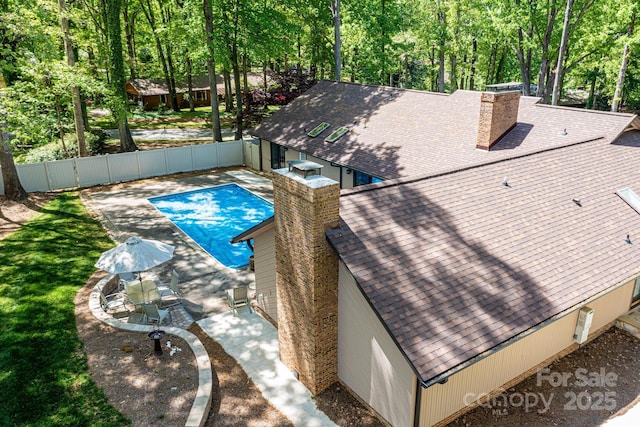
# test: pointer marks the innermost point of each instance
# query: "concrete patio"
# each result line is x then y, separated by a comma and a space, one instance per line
124, 211
248, 337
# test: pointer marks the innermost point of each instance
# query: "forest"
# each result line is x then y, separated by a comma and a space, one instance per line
59, 58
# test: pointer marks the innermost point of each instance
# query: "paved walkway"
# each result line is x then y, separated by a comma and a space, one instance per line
253, 342
170, 134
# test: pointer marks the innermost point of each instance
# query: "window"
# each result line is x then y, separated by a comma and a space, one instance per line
318, 129
630, 197
336, 134
278, 153
200, 95
163, 99
360, 178
302, 156
635, 299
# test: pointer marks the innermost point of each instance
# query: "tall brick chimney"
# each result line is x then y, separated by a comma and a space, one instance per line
305, 207
498, 115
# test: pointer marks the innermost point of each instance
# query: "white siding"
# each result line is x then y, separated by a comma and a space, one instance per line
441, 400
368, 360
265, 269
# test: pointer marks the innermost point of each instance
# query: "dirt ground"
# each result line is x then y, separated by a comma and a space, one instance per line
585, 388
159, 390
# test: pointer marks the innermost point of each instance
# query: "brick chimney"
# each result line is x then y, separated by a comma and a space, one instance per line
498, 115
305, 207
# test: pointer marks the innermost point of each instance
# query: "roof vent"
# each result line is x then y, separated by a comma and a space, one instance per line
304, 167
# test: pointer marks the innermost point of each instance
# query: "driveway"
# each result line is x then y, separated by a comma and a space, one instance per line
169, 134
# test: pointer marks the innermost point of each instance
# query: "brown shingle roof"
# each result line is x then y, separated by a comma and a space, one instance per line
400, 133
148, 87
455, 265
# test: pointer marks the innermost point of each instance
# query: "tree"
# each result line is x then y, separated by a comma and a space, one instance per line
13, 189
211, 67
118, 80
563, 45
335, 12
75, 91
617, 96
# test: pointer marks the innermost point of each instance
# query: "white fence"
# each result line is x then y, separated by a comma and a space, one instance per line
107, 169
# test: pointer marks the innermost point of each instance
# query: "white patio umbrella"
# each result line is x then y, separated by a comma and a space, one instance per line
134, 255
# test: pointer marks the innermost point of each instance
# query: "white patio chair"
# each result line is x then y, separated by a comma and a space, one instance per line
238, 297
112, 301
172, 289
153, 314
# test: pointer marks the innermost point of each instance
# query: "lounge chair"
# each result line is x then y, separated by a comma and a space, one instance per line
153, 314
237, 297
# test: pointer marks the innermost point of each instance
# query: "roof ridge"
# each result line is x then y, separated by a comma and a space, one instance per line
390, 88
599, 112
412, 179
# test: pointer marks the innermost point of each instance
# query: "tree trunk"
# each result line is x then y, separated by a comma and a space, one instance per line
335, 11
228, 91
617, 96
472, 77
238, 89
245, 77
129, 32
75, 91
190, 82
453, 78
591, 100
13, 189
546, 42
211, 68
147, 9
116, 63
555, 98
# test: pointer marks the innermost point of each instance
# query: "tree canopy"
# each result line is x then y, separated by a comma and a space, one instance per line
436, 45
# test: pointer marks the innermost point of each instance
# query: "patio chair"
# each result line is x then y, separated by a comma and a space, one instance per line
142, 292
112, 301
172, 289
237, 297
153, 314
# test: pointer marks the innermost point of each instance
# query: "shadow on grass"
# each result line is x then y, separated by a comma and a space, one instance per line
44, 378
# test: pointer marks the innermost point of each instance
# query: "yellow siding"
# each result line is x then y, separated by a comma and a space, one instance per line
441, 400
265, 269
368, 360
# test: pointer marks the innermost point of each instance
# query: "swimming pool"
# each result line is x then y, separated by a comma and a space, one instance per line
212, 216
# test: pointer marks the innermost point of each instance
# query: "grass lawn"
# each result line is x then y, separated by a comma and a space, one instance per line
44, 377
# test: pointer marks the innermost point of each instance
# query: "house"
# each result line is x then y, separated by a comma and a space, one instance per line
501, 234
151, 93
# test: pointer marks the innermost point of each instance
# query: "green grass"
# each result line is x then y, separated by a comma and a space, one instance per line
44, 378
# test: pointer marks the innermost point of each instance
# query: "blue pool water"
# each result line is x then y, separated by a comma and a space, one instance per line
213, 216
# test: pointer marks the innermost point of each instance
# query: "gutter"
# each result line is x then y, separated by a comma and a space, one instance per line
443, 378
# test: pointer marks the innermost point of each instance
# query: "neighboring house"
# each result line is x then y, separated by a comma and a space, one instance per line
499, 223
151, 93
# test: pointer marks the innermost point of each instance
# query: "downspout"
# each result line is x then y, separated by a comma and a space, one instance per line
248, 242
416, 405
260, 154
